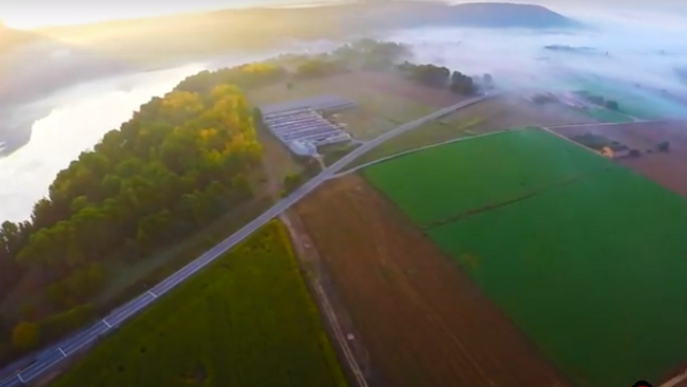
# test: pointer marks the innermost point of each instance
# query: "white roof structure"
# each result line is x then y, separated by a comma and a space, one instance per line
300, 127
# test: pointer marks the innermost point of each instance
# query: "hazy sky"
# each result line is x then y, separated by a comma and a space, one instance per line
34, 13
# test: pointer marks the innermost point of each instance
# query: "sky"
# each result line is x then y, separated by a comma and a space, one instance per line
26, 14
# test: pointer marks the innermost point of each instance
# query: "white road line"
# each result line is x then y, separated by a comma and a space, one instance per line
152, 294
20, 378
62, 351
106, 323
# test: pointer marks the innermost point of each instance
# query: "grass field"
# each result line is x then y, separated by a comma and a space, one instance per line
590, 268
379, 109
245, 321
485, 117
472, 174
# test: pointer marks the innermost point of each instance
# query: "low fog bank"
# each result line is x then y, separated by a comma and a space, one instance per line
618, 55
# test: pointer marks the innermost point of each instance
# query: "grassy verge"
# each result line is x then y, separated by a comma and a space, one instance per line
333, 154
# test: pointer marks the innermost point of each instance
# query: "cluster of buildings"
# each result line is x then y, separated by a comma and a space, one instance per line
301, 125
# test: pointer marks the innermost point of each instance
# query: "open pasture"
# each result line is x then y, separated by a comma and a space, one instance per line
454, 178
384, 100
584, 256
245, 321
500, 113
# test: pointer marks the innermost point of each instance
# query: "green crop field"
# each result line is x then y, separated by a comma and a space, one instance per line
472, 174
245, 321
591, 269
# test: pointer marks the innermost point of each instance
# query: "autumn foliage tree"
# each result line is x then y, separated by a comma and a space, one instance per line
25, 335
181, 160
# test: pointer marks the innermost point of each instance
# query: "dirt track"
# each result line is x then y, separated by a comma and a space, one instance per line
668, 169
423, 321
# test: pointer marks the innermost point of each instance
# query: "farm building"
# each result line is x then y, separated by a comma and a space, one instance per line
300, 126
614, 151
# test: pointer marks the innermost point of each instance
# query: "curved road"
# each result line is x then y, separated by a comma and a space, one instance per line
53, 355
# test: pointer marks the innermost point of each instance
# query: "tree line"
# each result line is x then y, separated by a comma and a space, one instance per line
181, 161
442, 77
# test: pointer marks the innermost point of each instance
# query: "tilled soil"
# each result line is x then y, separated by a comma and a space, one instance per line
424, 322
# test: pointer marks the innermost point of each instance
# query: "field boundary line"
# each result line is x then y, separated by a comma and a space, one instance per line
507, 202
329, 312
570, 140
606, 124
418, 149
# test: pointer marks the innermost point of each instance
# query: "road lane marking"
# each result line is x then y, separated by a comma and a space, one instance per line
152, 294
20, 378
106, 323
62, 350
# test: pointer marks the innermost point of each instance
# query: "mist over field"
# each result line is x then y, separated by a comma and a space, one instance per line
643, 53
617, 49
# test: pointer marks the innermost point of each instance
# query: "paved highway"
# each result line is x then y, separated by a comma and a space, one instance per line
51, 356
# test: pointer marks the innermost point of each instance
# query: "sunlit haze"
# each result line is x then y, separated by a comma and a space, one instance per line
29, 14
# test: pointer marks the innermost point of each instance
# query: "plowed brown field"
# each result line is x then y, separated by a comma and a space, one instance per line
424, 322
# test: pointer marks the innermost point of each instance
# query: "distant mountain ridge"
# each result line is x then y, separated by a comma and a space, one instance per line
506, 15
244, 28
